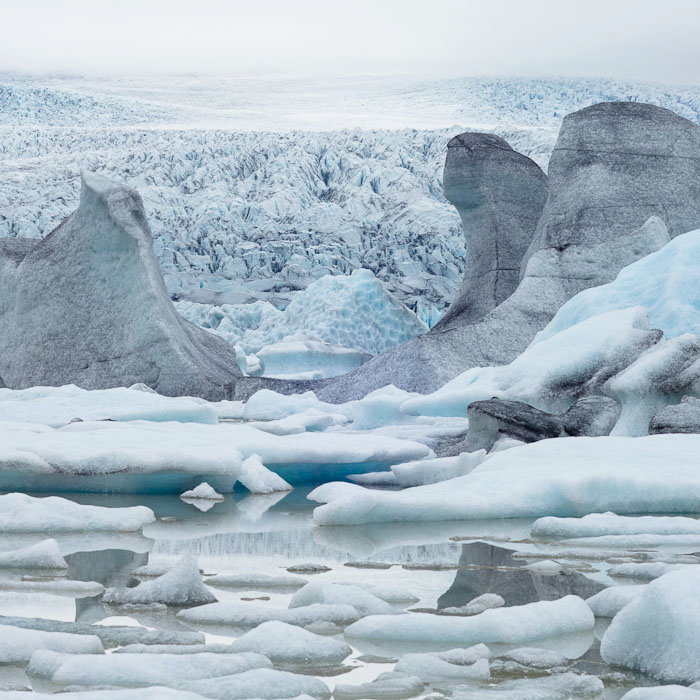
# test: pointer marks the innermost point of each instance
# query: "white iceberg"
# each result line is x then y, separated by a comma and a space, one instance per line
561, 686
290, 645
392, 684
22, 513
659, 632
452, 665
181, 585
663, 282
56, 406
204, 491
245, 615
340, 594
431, 471
562, 476
256, 581
512, 625
154, 693
609, 601
17, 644
601, 524
663, 692
133, 670
42, 555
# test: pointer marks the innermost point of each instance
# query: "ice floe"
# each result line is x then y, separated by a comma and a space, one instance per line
658, 632
290, 645
56, 406
22, 513
42, 555
451, 665
361, 600
181, 586
562, 476
17, 644
511, 625
611, 600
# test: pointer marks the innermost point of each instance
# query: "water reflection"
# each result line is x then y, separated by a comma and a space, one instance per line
485, 568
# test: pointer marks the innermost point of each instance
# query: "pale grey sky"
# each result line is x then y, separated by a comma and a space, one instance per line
655, 40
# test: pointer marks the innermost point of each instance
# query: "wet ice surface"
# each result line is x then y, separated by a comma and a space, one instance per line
246, 545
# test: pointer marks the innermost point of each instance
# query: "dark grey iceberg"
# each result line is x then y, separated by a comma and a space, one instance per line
499, 194
87, 305
617, 169
683, 417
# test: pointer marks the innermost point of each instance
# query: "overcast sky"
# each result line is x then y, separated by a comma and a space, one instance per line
656, 40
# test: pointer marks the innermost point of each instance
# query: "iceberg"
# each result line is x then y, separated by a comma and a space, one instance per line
22, 513
364, 602
59, 406
17, 644
657, 633
180, 586
102, 334
566, 477
609, 601
244, 615
509, 625
452, 665
289, 645
42, 555
133, 671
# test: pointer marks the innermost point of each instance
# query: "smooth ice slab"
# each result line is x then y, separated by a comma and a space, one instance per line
601, 524
290, 645
611, 600
182, 585
451, 665
512, 625
150, 457
17, 644
154, 693
245, 615
42, 555
57, 406
659, 632
22, 513
134, 670
563, 476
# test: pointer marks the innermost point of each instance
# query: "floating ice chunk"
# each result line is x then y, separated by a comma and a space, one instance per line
110, 635
290, 645
296, 355
310, 419
663, 692
394, 684
659, 632
546, 567
657, 473
393, 594
203, 491
261, 684
154, 693
132, 670
256, 581
662, 282
17, 644
645, 571
175, 649
599, 524
22, 513
430, 471
550, 373
245, 615
486, 601
512, 625
257, 478
340, 594
531, 657
354, 311
56, 406
58, 586
609, 601
562, 686
228, 410
42, 555
180, 586
453, 665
